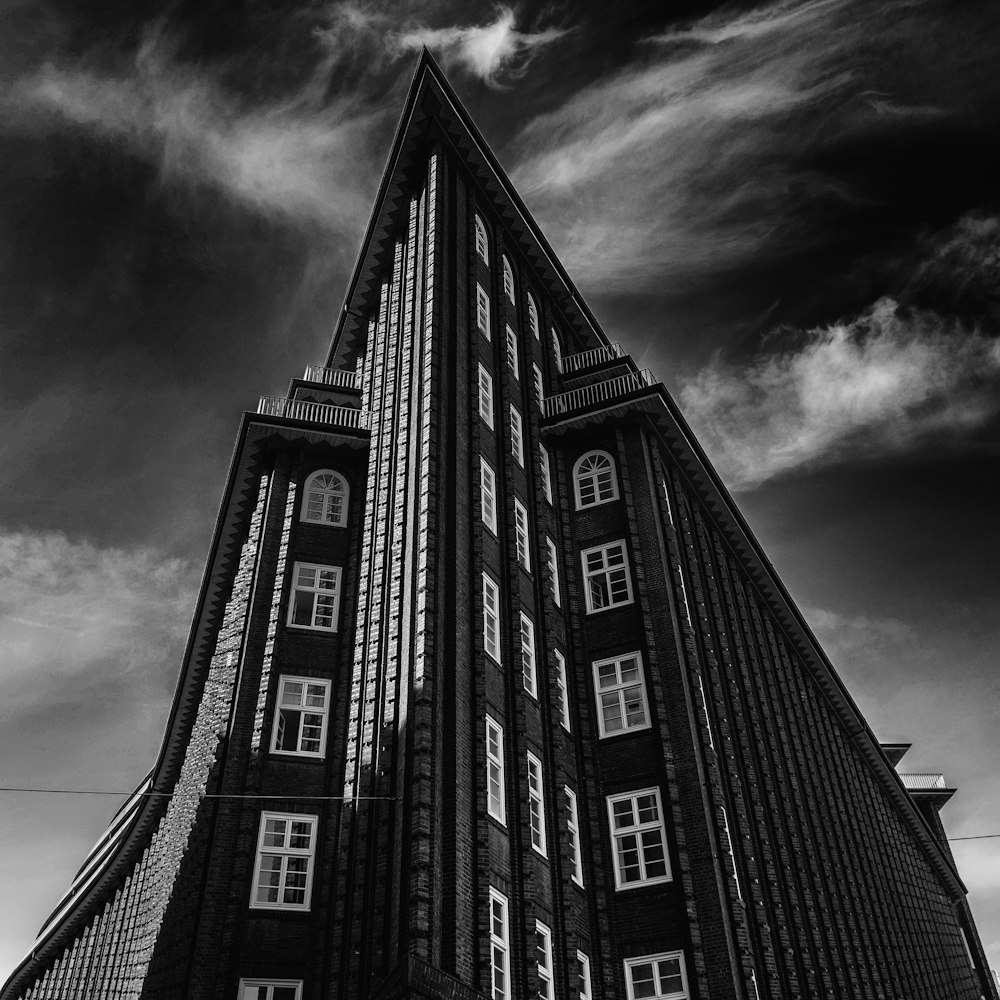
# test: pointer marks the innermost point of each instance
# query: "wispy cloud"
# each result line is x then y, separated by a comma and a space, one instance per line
881, 383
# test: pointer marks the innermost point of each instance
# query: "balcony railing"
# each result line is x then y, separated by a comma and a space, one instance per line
316, 413
923, 782
587, 359
332, 376
599, 392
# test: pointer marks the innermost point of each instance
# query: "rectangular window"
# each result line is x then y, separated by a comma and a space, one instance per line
300, 717
496, 796
573, 834
512, 358
563, 689
543, 453
499, 947
486, 397
552, 563
521, 535
536, 807
543, 958
483, 311
270, 989
282, 878
528, 671
491, 618
583, 975
621, 694
516, 436
488, 495
607, 583
315, 597
536, 373
659, 977
639, 839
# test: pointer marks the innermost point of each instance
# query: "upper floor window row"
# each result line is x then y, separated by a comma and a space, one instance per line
324, 498
595, 480
482, 243
508, 279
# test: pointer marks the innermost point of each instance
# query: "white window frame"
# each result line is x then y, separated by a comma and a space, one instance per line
557, 350
496, 802
483, 312
322, 713
641, 835
499, 946
593, 480
536, 805
491, 618
552, 561
516, 435
586, 988
529, 671
286, 853
508, 279
562, 686
522, 535
533, 317
654, 960
317, 592
269, 985
608, 572
482, 241
620, 693
486, 397
513, 359
544, 963
327, 495
488, 495
546, 465
536, 376
573, 835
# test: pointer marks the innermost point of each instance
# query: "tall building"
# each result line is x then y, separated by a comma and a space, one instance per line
491, 692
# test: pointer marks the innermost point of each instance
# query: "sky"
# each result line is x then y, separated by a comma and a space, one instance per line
789, 211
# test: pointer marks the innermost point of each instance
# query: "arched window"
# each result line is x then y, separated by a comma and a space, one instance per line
482, 245
324, 499
508, 279
594, 479
557, 349
533, 317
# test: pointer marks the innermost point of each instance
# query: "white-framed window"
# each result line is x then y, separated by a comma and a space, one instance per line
546, 466
270, 989
573, 834
491, 617
488, 495
660, 977
516, 435
521, 536
607, 581
282, 875
499, 947
324, 498
486, 397
300, 716
638, 839
528, 670
483, 312
557, 350
482, 243
315, 599
536, 376
512, 358
621, 694
594, 479
563, 690
508, 279
552, 562
536, 804
543, 960
585, 990
496, 793
533, 317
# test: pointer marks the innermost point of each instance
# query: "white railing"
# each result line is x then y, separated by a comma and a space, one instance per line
599, 392
332, 376
923, 781
316, 413
587, 359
